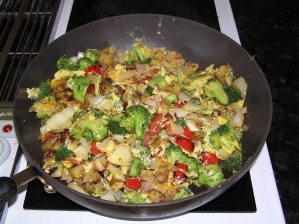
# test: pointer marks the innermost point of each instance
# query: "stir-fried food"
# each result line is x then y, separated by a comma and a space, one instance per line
139, 126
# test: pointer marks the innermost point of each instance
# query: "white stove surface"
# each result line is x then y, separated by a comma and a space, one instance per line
268, 205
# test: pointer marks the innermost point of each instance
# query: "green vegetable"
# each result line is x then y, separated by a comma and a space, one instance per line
135, 55
183, 193
195, 100
84, 63
63, 152
128, 124
209, 175
131, 197
175, 154
234, 94
158, 80
43, 116
224, 137
148, 92
215, 89
233, 162
92, 55
79, 86
65, 63
44, 90
92, 130
170, 99
199, 79
144, 154
181, 121
135, 167
141, 117
115, 128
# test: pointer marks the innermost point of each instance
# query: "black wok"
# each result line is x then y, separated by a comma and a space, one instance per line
197, 43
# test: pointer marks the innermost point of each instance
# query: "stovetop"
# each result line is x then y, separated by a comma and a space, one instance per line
261, 172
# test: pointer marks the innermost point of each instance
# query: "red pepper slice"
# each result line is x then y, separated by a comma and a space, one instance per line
210, 158
188, 134
73, 160
178, 105
155, 71
179, 175
182, 166
95, 150
169, 130
147, 137
91, 88
96, 70
51, 135
155, 126
185, 143
133, 184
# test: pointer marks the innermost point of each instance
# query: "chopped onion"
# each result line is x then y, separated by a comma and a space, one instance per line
116, 172
121, 155
191, 125
177, 129
141, 68
119, 138
59, 121
241, 85
127, 75
184, 97
238, 117
80, 54
94, 101
180, 112
109, 196
74, 59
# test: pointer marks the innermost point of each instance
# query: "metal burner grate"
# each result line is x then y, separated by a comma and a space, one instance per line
25, 27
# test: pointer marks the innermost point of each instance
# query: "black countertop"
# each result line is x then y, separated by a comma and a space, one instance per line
269, 30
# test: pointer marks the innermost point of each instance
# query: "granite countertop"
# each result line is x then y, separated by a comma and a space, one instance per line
269, 31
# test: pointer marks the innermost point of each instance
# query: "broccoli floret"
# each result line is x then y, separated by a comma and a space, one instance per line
92, 55
158, 80
84, 63
92, 130
135, 167
170, 99
234, 94
43, 90
133, 197
115, 128
98, 113
175, 154
181, 121
66, 63
148, 92
128, 124
63, 152
144, 154
195, 100
233, 162
196, 80
142, 118
209, 176
135, 55
224, 138
215, 89
183, 193
79, 86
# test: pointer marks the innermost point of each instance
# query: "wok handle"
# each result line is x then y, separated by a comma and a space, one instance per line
9, 186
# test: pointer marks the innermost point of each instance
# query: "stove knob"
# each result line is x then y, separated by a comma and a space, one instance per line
4, 150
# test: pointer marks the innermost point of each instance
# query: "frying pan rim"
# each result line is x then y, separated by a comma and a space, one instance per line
228, 181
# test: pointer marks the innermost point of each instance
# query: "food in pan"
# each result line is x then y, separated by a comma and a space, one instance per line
140, 126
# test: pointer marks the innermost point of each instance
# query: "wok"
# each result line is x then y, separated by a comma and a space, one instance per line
197, 43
